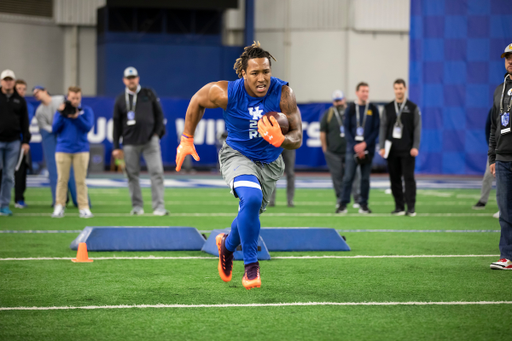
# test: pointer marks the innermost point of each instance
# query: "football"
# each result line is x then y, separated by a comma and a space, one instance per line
281, 119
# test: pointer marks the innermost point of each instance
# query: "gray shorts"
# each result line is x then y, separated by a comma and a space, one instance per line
233, 164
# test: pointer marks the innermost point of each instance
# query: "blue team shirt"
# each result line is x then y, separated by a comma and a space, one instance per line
242, 115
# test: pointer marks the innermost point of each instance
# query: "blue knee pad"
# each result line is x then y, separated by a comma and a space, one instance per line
245, 229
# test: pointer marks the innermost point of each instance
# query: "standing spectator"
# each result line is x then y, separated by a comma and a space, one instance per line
488, 177
14, 123
71, 124
44, 116
139, 120
334, 146
20, 175
289, 169
361, 131
500, 160
401, 125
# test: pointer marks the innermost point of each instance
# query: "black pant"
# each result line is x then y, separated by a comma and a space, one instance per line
20, 180
398, 166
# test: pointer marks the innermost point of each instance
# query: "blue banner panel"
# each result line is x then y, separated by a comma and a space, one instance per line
212, 125
454, 67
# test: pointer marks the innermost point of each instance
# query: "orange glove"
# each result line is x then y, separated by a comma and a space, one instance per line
185, 148
271, 132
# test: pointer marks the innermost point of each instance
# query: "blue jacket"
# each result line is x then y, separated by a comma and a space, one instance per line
371, 128
72, 133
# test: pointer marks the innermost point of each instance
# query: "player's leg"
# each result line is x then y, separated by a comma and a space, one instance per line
226, 251
248, 189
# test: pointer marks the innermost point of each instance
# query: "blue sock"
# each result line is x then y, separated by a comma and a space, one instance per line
247, 223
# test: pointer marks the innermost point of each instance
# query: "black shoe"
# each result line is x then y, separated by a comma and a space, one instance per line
341, 209
363, 209
290, 204
398, 211
479, 206
411, 213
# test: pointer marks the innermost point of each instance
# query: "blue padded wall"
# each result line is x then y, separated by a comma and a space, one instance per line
455, 65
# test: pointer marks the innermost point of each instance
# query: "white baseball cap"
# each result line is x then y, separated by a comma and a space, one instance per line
7, 73
508, 49
130, 72
337, 95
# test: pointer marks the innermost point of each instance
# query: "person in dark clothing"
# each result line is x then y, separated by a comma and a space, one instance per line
334, 146
488, 177
139, 120
500, 160
361, 124
14, 118
400, 126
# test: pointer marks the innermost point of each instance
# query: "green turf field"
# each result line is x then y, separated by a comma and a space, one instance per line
465, 291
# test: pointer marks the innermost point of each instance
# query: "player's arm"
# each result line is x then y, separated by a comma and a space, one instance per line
288, 104
211, 96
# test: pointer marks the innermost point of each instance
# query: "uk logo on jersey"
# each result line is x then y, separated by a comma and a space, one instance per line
256, 114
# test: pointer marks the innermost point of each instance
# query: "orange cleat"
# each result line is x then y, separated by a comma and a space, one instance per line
225, 258
252, 277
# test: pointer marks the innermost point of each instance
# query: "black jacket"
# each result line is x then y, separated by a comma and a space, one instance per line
411, 134
13, 118
149, 119
500, 146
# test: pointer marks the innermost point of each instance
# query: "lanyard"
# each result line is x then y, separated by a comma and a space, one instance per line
365, 114
503, 95
399, 112
134, 101
338, 118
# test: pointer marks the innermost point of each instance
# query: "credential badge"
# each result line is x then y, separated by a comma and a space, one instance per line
505, 119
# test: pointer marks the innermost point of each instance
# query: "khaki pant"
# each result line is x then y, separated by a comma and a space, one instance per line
80, 163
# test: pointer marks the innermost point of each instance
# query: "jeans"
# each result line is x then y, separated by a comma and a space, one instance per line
504, 199
49, 146
9, 154
336, 164
348, 179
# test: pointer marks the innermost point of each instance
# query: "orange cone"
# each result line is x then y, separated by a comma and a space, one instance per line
81, 255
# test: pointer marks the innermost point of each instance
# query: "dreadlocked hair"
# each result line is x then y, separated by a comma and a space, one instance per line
251, 52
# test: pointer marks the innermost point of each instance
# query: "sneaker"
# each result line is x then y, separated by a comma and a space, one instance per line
58, 212
20, 204
356, 206
411, 213
502, 264
271, 204
496, 215
225, 266
252, 277
5, 211
364, 209
137, 211
479, 206
341, 209
398, 212
291, 204
160, 212
85, 213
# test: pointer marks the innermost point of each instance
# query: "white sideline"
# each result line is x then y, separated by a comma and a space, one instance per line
141, 306
283, 257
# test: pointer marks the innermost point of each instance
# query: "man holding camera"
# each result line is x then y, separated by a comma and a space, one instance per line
44, 116
71, 124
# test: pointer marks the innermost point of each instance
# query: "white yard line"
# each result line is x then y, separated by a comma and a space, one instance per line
233, 214
251, 305
215, 258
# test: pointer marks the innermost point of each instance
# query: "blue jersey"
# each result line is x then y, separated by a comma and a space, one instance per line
242, 115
